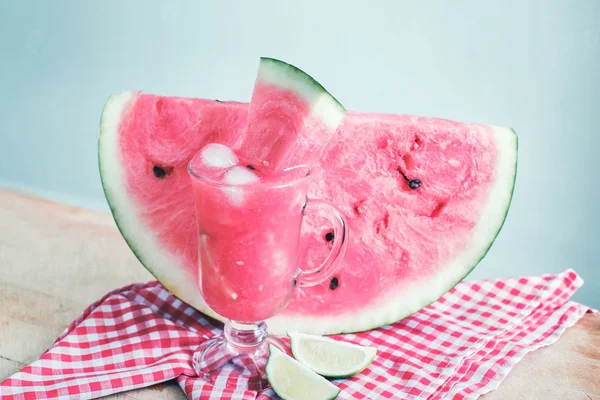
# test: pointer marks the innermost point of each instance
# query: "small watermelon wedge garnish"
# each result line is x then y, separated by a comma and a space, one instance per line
424, 199
291, 117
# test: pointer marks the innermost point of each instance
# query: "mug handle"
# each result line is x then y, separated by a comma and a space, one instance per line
312, 277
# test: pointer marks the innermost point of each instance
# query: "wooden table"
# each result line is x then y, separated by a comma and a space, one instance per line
56, 259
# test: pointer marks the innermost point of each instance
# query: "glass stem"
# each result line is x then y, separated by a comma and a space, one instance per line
245, 338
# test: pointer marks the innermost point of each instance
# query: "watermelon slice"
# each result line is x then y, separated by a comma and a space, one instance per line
424, 199
291, 117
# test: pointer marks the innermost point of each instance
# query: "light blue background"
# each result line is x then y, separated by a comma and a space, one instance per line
531, 65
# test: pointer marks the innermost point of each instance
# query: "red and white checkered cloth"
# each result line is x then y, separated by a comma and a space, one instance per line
460, 347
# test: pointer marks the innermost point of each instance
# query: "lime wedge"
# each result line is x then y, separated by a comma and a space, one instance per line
293, 381
328, 357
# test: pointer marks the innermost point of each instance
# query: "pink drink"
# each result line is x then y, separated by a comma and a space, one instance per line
248, 244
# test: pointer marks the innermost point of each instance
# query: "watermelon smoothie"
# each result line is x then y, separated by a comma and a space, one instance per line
248, 245
249, 235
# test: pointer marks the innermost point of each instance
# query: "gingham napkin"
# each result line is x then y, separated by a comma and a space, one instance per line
460, 347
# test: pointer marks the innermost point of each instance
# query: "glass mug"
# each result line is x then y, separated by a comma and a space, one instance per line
248, 250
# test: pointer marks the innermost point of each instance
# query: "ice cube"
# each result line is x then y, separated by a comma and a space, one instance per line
216, 155
238, 176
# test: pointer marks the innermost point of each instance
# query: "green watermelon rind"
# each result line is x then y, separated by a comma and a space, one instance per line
146, 247
323, 104
102, 166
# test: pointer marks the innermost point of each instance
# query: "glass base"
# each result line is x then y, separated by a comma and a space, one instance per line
238, 358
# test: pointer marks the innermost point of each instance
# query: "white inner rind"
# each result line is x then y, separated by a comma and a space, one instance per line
149, 249
323, 105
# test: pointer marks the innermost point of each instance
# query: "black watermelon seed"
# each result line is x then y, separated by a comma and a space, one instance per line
334, 283
250, 167
295, 282
159, 172
219, 101
414, 184
329, 237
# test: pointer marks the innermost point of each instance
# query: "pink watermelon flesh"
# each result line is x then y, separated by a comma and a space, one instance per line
291, 117
409, 243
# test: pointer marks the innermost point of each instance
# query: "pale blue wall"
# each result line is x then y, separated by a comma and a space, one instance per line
532, 65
